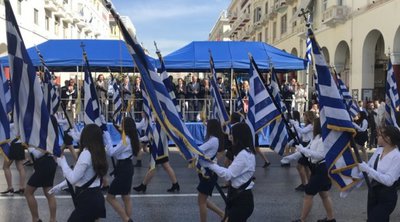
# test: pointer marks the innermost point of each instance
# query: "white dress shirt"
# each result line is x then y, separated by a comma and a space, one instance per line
388, 170
82, 172
305, 132
120, 151
317, 151
240, 171
363, 127
210, 147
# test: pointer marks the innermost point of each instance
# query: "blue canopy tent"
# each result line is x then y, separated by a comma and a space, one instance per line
231, 55
66, 55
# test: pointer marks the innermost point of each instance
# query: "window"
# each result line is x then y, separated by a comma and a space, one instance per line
65, 30
266, 8
47, 23
36, 16
257, 14
324, 5
266, 35
259, 37
294, 11
284, 24
340, 2
274, 31
56, 25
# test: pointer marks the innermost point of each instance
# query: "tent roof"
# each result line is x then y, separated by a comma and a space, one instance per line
66, 55
232, 54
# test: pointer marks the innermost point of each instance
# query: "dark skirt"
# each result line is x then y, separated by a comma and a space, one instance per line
206, 185
123, 173
17, 151
90, 205
45, 170
319, 180
382, 201
240, 206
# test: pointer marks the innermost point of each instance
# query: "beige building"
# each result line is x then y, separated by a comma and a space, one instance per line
40, 20
356, 36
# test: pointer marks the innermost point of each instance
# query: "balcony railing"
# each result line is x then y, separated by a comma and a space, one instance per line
280, 6
50, 5
334, 15
232, 16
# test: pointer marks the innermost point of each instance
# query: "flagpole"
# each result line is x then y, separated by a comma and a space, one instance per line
295, 137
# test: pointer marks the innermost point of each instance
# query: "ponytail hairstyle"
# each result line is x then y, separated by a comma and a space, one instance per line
90, 140
131, 132
214, 129
392, 133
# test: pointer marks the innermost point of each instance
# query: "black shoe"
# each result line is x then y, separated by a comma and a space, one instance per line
266, 164
20, 191
140, 188
9, 191
175, 187
285, 164
138, 164
301, 187
326, 220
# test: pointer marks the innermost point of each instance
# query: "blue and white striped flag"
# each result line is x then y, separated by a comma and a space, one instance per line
51, 97
239, 101
391, 97
351, 105
158, 139
91, 100
117, 101
7, 92
31, 118
4, 122
308, 51
218, 109
168, 84
278, 131
337, 127
262, 110
159, 98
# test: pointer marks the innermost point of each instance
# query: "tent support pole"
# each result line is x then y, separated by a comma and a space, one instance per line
231, 97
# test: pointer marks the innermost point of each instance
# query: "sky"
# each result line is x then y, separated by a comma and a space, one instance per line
171, 23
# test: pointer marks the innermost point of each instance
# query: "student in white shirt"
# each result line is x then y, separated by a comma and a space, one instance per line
240, 204
123, 170
214, 140
384, 170
306, 135
361, 125
319, 182
43, 176
90, 167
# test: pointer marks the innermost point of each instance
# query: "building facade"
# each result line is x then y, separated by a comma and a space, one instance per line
40, 20
356, 36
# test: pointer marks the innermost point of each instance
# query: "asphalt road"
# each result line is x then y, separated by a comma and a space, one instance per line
275, 197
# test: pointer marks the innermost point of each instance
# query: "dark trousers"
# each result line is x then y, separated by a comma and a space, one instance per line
381, 203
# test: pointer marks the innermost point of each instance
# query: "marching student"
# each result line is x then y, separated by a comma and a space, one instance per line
319, 182
361, 125
123, 171
240, 204
384, 170
214, 139
90, 167
67, 139
17, 155
43, 176
306, 134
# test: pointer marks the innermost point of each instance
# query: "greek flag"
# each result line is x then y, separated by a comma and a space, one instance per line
278, 131
219, 111
91, 100
4, 123
239, 101
159, 98
31, 117
7, 92
351, 105
168, 84
308, 51
51, 97
158, 139
391, 97
337, 127
262, 110
117, 101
